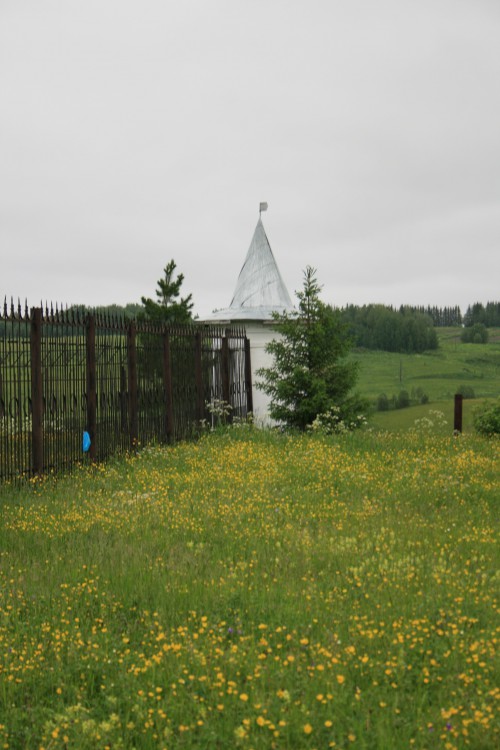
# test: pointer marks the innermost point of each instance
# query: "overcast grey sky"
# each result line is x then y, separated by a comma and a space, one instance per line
132, 132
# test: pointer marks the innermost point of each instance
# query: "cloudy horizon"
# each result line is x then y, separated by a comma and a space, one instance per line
132, 133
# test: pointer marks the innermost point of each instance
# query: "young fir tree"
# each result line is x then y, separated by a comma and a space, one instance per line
309, 375
168, 308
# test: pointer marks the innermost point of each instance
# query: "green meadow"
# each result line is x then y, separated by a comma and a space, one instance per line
256, 590
438, 374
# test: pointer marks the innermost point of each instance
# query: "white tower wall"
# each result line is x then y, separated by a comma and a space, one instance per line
260, 334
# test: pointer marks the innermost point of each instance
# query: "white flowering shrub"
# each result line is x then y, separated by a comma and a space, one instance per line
219, 408
243, 422
333, 423
220, 411
428, 424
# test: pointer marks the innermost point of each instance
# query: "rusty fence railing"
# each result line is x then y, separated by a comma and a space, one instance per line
63, 372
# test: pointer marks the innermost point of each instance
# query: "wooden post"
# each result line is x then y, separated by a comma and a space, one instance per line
133, 402
2, 405
36, 390
123, 398
91, 386
198, 375
457, 424
167, 385
248, 376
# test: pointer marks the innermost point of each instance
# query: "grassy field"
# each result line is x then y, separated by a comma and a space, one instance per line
255, 590
439, 374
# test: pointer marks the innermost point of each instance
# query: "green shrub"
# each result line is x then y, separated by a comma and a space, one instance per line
382, 402
487, 419
466, 391
476, 334
402, 400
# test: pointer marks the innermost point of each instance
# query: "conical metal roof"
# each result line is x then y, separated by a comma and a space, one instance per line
260, 290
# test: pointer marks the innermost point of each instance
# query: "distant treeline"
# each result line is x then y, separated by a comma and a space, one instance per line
130, 311
440, 316
407, 329
10, 317
387, 329
488, 315
412, 329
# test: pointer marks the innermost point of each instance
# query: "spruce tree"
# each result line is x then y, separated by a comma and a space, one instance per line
168, 308
310, 374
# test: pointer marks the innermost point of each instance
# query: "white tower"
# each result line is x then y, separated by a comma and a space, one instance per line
260, 292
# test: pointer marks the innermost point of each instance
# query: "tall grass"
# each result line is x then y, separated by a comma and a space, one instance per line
255, 590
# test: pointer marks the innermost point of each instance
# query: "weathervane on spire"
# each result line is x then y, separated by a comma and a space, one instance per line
262, 207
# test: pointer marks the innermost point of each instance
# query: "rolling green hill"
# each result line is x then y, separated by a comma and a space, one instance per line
438, 375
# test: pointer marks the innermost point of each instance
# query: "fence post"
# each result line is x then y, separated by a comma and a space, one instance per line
226, 395
91, 386
36, 389
2, 407
167, 385
123, 399
457, 424
133, 404
198, 376
248, 377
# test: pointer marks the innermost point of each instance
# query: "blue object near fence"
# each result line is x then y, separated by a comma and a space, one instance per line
86, 441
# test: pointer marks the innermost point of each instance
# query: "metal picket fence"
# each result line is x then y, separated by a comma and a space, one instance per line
126, 383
